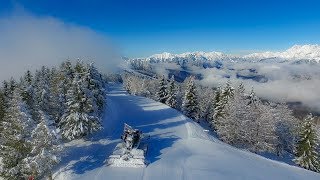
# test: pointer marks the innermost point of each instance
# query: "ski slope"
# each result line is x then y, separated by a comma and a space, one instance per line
178, 149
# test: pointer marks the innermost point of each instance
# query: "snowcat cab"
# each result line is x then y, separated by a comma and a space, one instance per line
130, 152
131, 137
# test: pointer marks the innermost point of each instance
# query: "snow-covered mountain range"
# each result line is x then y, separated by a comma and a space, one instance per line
295, 53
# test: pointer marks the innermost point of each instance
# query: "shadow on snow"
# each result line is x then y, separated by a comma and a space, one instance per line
142, 113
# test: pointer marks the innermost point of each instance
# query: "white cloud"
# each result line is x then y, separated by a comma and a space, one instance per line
28, 42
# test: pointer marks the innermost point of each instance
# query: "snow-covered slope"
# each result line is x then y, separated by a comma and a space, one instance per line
178, 148
295, 53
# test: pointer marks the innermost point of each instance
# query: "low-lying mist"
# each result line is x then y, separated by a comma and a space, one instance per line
284, 82
28, 42
279, 82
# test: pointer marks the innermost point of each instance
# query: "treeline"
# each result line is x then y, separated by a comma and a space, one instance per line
41, 109
239, 118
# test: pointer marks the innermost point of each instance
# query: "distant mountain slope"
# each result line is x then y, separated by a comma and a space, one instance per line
178, 149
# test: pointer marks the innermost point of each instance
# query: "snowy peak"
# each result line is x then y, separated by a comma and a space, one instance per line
163, 56
190, 55
296, 52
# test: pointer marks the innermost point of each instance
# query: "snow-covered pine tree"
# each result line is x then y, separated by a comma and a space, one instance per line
306, 154
172, 94
45, 149
79, 119
15, 147
162, 91
190, 103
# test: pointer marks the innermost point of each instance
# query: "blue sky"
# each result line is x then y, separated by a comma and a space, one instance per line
144, 27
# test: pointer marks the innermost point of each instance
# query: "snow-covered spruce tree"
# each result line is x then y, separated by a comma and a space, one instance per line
45, 149
79, 119
2, 115
220, 100
306, 154
252, 98
190, 103
8, 89
65, 77
96, 86
42, 90
2, 107
28, 95
80, 67
162, 90
217, 109
228, 91
5, 92
172, 94
127, 82
15, 147
56, 99
241, 88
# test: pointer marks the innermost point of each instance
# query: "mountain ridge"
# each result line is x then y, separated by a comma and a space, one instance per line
309, 52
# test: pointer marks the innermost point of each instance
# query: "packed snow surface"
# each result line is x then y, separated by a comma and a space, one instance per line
178, 148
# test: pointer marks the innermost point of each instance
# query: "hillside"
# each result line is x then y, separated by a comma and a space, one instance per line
178, 148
